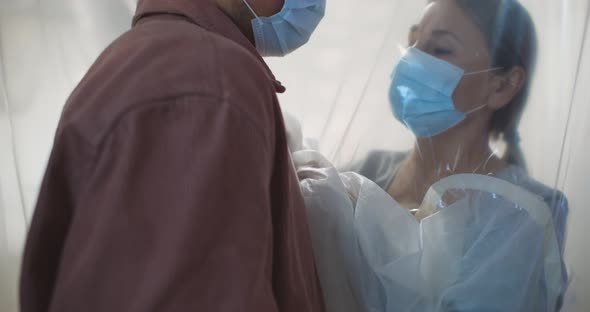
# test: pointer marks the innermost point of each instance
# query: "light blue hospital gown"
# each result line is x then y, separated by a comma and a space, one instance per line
503, 280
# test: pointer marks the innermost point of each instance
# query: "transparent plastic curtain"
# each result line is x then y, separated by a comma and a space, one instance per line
338, 88
574, 178
345, 74
45, 48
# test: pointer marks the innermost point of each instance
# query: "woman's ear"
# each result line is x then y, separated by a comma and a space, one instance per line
413, 35
505, 87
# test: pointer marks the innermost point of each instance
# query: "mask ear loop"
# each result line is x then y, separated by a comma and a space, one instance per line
480, 71
475, 109
251, 9
489, 70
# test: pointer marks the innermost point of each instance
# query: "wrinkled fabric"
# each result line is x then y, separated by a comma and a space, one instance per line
170, 186
481, 252
381, 167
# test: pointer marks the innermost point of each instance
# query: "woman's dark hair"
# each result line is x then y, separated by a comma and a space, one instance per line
512, 41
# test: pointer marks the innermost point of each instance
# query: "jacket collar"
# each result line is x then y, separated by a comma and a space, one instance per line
208, 16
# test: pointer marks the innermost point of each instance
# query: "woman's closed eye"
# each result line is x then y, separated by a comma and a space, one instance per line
439, 51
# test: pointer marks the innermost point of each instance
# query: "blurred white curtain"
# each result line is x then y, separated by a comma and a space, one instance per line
338, 84
574, 179
337, 87
45, 48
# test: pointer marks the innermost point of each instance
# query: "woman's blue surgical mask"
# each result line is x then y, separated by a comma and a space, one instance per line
421, 93
289, 29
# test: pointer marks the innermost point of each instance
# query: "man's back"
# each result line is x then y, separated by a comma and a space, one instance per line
170, 187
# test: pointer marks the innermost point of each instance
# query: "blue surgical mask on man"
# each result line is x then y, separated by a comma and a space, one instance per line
289, 29
421, 93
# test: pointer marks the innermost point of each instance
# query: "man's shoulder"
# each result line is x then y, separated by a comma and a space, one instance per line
155, 65
180, 47
199, 49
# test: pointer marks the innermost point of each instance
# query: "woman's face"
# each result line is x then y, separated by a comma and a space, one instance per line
447, 33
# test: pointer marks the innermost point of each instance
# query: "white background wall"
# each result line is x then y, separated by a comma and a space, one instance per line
45, 48
337, 86
575, 181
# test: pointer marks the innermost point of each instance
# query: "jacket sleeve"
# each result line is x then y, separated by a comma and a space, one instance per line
175, 215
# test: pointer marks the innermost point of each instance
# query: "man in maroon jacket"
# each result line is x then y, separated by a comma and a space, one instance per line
170, 186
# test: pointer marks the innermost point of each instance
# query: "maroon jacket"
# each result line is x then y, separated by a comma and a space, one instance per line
170, 186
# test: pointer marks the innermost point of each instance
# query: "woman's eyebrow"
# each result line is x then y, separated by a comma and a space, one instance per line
442, 32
